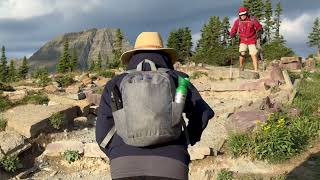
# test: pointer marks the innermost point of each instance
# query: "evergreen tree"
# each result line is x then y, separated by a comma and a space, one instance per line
186, 44
117, 50
23, 69
92, 66
268, 20
255, 7
314, 36
3, 66
64, 62
98, 65
74, 61
209, 48
12, 74
226, 39
277, 24
181, 41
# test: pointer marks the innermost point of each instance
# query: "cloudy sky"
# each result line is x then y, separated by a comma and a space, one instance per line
26, 25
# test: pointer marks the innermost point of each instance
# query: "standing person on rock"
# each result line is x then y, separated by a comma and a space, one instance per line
139, 124
248, 28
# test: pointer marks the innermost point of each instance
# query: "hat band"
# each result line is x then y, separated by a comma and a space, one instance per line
242, 13
148, 46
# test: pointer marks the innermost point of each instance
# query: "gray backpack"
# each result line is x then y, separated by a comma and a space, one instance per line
149, 115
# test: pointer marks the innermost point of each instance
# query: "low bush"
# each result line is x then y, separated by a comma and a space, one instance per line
224, 175
65, 80
3, 123
33, 97
5, 87
5, 103
106, 74
56, 120
71, 156
9, 163
42, 76
198, 74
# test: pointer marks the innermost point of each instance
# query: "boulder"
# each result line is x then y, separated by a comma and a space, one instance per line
59, 147
94, 110
86, 81
92, 150
51, 89
276, 73
30, 120
249, 75
73, 89
77, 96
294, 112
244, 121
81, 120
101, 81
15, 96
287, 79
198, 152
310, 64
93, 98
291, 63
12, 143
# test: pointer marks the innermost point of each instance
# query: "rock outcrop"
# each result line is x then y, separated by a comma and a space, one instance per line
88, 44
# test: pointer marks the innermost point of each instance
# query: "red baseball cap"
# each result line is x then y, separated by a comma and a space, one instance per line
242, 11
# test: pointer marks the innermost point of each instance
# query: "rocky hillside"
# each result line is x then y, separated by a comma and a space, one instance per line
88, 44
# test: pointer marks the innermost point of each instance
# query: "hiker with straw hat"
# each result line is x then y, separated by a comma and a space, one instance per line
139, 125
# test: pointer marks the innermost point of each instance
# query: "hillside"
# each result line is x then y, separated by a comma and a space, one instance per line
88, 44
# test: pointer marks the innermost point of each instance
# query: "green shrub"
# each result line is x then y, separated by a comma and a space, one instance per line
10, 163
275, 141
3, 124
5, 103
239, 144
71, 156
106, 74
56, 120
224, 175
276, 50
33, 97
4, 87
308, 99
42, 76
65, 80
198, 74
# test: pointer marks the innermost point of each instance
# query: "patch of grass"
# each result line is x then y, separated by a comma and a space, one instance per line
56, 120
3, 124
198, 74
5, 103
106, 74
33, 97
9, 163
224, 175
276, 140
275, 89
71, 156
64, 80
239, 144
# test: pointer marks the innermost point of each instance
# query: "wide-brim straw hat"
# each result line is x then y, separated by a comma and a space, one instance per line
149, 41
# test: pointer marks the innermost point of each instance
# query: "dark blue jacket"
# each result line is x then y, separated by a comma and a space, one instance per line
197, 111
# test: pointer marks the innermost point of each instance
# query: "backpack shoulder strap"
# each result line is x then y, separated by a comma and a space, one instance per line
152, 65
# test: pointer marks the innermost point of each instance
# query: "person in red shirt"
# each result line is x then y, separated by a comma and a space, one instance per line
248, 28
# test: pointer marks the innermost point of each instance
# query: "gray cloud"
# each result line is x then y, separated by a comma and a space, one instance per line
23, 36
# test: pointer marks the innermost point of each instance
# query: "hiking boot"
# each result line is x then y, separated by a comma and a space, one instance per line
241, 68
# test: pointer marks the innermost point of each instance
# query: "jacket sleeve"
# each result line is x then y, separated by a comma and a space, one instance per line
198, 112
257, 24
234, 28
105, 119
